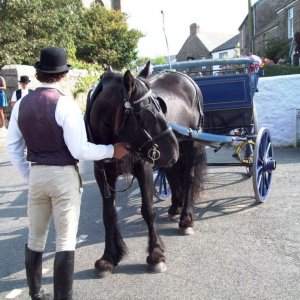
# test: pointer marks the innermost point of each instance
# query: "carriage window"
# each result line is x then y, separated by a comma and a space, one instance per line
290, 23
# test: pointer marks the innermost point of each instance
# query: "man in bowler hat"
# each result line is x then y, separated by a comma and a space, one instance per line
52, 128
23, 91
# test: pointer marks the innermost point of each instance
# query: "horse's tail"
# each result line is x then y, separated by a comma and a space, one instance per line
200, 166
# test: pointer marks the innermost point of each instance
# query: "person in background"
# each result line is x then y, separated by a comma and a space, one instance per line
51, 126
23, 91
3, 102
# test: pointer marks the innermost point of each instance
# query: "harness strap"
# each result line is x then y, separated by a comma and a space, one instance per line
147, 95
168, 130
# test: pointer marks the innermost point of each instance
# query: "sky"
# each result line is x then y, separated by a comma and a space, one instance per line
222, 16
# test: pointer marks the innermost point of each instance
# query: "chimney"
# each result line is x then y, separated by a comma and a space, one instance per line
194, 29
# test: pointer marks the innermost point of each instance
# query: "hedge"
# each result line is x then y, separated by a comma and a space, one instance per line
277, 70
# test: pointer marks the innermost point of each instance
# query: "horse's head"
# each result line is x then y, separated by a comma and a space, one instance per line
131, 113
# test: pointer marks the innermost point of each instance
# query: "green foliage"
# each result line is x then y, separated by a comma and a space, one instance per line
277, 70
28, 27
79, 64
104, 38
142, 60
159, 60
276, 49
96, 35
84, 84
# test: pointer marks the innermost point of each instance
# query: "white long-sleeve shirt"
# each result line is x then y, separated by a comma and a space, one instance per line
69, 117
24, 92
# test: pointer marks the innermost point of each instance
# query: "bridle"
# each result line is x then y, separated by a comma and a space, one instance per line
152, 154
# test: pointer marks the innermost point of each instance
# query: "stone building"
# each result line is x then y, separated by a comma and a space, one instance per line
199, 45
272, 19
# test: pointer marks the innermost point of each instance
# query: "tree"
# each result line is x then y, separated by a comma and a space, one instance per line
105, 39
28, 27
94, 35
276, 49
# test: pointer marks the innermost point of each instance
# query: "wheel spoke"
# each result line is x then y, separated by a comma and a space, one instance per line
263, 192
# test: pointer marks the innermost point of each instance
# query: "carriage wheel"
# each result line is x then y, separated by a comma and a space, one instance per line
161, 186
263, 165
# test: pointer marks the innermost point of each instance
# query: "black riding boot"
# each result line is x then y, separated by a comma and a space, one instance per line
33, 264
63, 275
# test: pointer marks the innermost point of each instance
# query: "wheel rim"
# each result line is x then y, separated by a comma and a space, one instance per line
263, 165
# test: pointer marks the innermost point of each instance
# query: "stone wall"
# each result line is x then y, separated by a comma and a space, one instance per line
276, 101
12, 74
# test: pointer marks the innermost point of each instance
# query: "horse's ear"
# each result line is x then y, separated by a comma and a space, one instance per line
146, 71
128, 81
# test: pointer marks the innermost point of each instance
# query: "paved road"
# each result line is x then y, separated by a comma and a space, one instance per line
240, 250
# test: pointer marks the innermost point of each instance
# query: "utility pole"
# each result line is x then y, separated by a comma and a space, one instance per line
250, 27
163, 21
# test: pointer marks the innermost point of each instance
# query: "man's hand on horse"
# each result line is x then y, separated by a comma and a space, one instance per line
120, 150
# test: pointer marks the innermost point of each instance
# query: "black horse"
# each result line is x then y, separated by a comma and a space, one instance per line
138, 111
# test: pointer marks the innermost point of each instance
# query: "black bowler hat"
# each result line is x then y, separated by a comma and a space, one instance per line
24, 79
53, 60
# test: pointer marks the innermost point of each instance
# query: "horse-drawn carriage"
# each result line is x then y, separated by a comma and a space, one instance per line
168, 125
228, 87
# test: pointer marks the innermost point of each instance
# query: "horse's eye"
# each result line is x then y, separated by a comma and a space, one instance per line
106, 124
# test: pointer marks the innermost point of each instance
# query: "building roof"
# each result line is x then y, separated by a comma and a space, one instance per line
212, 40
229, 44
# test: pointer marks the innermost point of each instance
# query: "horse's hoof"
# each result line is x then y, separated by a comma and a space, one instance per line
103, 268
173, 217
187, 231
101, 274
157, 268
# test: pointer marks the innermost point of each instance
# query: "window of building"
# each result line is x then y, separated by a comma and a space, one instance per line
290, 23
223, 54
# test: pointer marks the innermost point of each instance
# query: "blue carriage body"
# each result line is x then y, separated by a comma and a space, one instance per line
227, 92
227, 98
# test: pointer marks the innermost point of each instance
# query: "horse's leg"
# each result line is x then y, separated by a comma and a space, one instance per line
156, 259
175, 179
115, 248
195, 162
